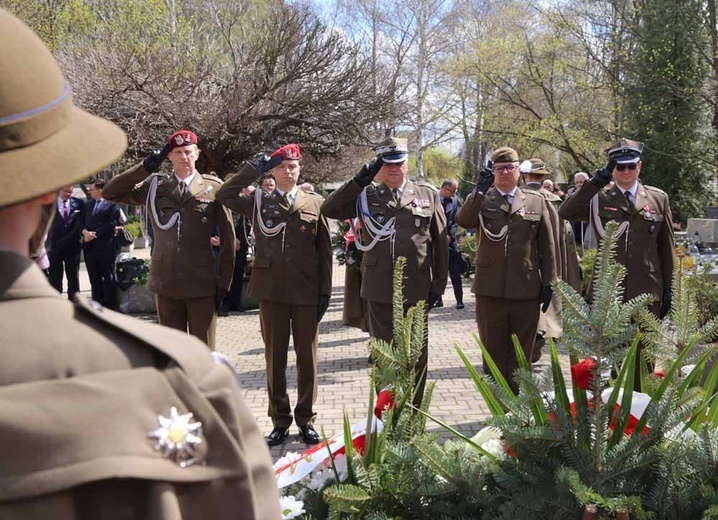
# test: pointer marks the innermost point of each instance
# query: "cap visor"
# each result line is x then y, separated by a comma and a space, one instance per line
394, 158
84, 146
626, 159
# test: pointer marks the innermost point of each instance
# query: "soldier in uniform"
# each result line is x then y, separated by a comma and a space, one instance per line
515, 262
291, 278
645, 243
565, 253
187, 282
398, 218
102, 415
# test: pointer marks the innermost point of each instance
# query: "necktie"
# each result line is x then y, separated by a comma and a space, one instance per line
629, 198
508, 199
184, 189
96, 208
65, 211
395, 195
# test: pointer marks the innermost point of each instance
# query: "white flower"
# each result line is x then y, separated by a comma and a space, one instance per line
340, 463
291, 507
485, 434
319, 480
289, 458
495, 447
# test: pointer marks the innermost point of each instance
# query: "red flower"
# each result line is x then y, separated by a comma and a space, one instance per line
659, 373
582, 373
385, 400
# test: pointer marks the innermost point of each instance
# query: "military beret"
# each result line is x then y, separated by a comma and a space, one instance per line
290, 152
538, 167
182, 138
625, 151
504, 154
393, 150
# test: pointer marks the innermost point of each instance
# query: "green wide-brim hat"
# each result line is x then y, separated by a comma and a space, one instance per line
46, 142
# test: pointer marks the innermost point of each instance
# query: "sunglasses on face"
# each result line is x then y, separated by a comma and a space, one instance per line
510, 168
622, 167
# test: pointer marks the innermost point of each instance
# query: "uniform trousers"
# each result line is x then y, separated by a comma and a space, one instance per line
277, 319
498, 319
381, 327
70, 264
198, 316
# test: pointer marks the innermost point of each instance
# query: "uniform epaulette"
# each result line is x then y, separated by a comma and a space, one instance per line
534, 193
653, 188
427, 185
214, 178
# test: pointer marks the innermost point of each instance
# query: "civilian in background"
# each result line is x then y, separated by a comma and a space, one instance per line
99, 245
63, 242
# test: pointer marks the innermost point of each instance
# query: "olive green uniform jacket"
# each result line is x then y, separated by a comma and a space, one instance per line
646, 248
183, 263
420, 238
80, 389
514, 268
294, 266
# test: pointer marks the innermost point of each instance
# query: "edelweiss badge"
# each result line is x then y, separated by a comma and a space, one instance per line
178, 437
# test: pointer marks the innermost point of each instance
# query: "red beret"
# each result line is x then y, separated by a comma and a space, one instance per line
289, 152
182, 138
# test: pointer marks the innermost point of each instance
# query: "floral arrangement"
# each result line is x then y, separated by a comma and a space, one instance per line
344, 243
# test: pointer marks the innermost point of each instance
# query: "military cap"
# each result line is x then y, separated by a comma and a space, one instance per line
290, 152
393, 150
182, 138
504, 154
538, 167
625, 151
46, 142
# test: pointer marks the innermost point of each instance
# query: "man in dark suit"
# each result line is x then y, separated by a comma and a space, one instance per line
451, 205
99, 246
63, 242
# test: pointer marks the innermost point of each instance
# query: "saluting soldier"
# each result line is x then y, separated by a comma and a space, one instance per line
291, 278
515, 261
398, 218
101, 415
645, 244
187, 281
535, 174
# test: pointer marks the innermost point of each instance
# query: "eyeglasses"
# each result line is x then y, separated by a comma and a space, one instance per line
622, 167
510, 168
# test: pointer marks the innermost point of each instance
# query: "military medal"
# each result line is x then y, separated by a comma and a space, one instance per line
417, 222
178, 437
270, 223
302, 228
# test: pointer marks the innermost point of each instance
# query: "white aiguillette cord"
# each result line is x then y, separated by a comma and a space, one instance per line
595, 219
267, 231
174, 219
494, 237
376, 231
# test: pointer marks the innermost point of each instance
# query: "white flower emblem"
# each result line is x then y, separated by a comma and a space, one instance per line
178, 437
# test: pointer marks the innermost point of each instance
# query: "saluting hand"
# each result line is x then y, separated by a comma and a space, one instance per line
266, 163
155, 158
603, 176
369, 171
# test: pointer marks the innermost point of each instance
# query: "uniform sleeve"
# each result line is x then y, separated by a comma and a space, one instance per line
230, 194
666, 245
324, 250
576, 207
468, 215
439, 239
342, 203
225, 226
129, 187
546, 247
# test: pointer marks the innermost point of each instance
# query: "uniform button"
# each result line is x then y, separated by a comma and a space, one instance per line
630, 243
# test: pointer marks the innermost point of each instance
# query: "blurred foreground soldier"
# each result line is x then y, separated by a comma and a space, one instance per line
63, 242
398, 218
103, 416
291, 278
515, 263
645, 242
188, 283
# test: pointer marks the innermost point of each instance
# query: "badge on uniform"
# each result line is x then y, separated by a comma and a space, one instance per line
380, 219
521, 211
302, 228
270, 223
178, 437
417, 222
